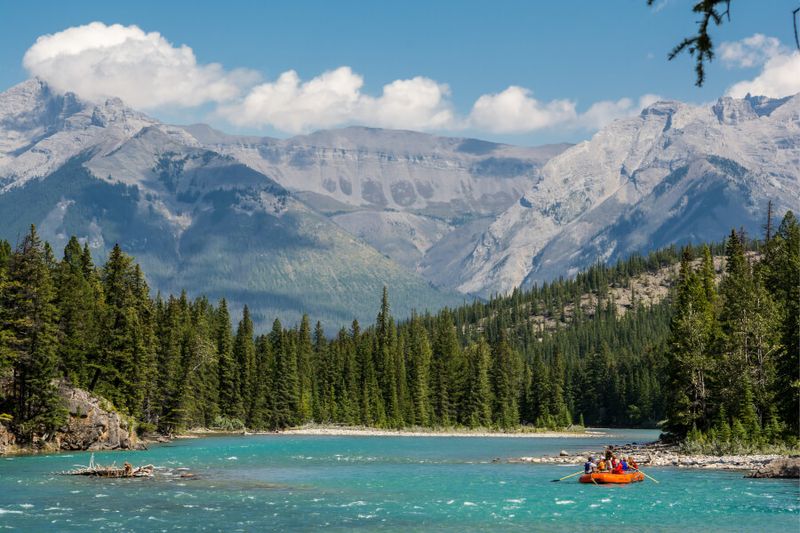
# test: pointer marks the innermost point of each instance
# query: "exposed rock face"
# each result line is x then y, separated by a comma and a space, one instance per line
7, 439
783, 467
93, 424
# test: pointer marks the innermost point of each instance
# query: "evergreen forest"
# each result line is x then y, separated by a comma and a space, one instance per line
714, 362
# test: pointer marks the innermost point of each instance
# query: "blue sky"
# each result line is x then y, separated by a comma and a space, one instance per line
562, 56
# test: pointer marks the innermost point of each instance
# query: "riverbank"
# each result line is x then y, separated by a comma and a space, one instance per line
662, 455
351, 431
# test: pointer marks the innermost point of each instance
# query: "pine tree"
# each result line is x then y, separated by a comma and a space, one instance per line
244, 355
29, 322
386, 361
77, 316
477, 394
419, 362
446, 371
285, 399
781, 275
304, 354
693, 327
505, 366
230, 398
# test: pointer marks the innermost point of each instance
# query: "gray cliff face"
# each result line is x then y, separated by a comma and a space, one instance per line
93, 424
676, 173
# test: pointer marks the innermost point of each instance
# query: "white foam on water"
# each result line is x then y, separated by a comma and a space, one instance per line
516, 500
594, 505
470, 504
232, 458
58, 509
101, 495
366, 516
9, 511
605, 500
564, 502
450, 502
358, 503
26, 505
213, 509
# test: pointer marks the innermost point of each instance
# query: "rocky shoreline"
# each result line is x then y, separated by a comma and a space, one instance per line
92, 424
662, 455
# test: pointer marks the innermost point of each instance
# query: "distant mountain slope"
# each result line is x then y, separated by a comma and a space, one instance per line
195, 219
401, 191
675, 173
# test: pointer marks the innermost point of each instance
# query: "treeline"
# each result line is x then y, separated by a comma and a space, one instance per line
172, 363
733, 361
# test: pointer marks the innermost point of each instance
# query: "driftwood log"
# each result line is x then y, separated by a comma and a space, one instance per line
113, 471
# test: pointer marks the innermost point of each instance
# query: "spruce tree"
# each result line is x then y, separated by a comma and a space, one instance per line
244, 355
29, 323
230, 398
285, 389
505, 368
477, 394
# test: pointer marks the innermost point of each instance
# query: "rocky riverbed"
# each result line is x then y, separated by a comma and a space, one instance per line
658, 455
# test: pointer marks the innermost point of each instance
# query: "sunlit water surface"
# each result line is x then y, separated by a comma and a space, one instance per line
258, 483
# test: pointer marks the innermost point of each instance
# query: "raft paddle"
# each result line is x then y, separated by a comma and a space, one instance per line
565, 477
649, 477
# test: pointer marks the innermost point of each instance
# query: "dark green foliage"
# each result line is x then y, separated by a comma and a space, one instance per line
719, 361
733, 359
29, 321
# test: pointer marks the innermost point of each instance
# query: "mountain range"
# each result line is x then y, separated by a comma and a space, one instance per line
319, 223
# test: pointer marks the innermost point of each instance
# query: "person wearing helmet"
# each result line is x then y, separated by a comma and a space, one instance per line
589, 466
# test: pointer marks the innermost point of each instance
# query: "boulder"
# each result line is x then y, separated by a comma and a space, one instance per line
93, 424
7, 439
782, 467
563, 453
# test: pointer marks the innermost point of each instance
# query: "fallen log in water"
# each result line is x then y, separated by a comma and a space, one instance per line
113, 471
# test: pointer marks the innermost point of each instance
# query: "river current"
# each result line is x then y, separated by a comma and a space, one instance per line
305, 483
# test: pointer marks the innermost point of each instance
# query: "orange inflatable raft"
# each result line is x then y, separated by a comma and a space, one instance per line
608, 477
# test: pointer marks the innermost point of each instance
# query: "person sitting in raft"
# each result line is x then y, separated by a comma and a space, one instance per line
614, 462
589, 466
617, 469
624, 464
632, 463
601, 465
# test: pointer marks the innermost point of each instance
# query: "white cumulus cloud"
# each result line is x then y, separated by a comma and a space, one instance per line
515, 110
335, 98
780, 66
779, 77
749, 52
98, 61
604, 112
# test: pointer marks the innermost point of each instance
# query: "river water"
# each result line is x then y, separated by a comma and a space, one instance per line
304, 483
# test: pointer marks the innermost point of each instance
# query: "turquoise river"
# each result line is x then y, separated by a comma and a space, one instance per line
306, 483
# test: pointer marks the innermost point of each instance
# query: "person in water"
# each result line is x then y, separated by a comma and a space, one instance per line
589, 466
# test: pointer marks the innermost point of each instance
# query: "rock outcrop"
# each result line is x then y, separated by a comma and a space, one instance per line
93, 424
782, 467
7, 439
